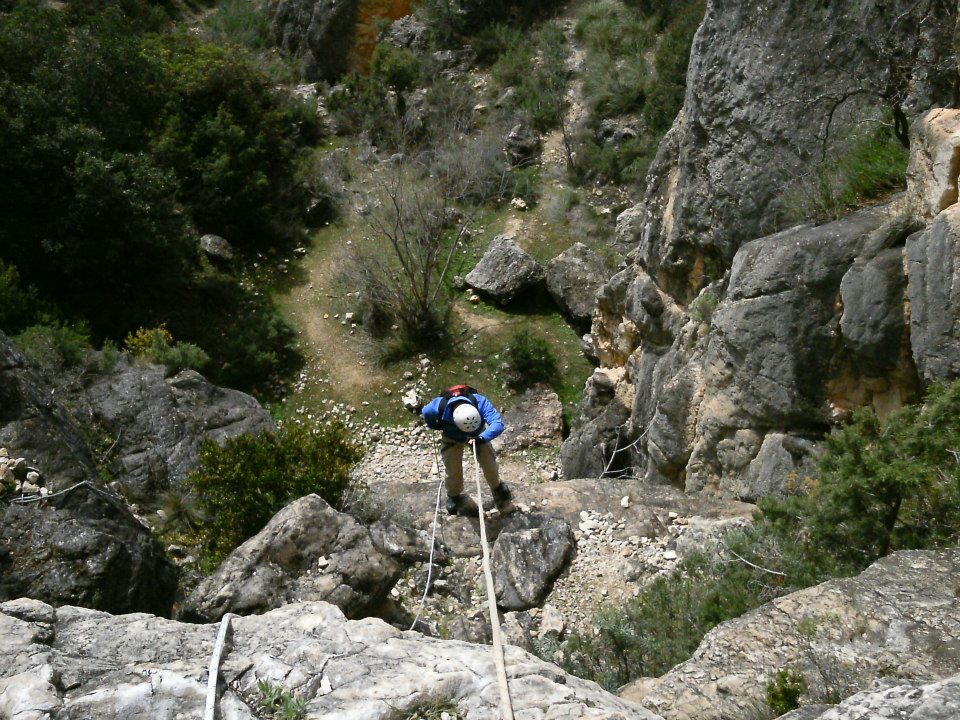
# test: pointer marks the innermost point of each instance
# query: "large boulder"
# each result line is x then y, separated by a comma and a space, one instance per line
79, 663
159, 422
529, 553
505, 271
897, 620
773, 88
308, 551
84, 547
535, 421
321, 32
933, 286
35, 425
573, 279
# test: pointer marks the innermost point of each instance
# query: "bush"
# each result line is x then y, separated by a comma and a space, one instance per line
239, 22
397, 68
529, 361
244, 483
19, 306
606, 162
54, 346
784, 691
874, 165
156, 346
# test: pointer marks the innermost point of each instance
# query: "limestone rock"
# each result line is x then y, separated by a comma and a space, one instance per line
899, 619
573, 279
783, 465
103, 667
535, 421
159, 423
407, 32
216, 247
872, 323
522, 146
505, 271
765, 81
934, 162
84, 547
933, 286
914, 700
308, 551
527, 555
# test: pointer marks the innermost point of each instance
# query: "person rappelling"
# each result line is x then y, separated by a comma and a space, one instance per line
463, 415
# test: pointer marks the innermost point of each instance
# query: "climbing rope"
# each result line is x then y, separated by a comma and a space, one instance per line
27, 499
213, 674
433, 538
506, 707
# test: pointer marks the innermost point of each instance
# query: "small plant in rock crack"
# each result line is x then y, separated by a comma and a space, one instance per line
429, 710
279, 703
784, 691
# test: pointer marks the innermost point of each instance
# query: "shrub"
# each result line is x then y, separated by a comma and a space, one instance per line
607, 162
701, 309
529, 361
397, 68
54, 346
873, 166
784, 691
244, 483
239, 22
156, 345
19, 306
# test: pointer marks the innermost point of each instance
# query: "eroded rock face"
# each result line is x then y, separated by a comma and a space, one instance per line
308, 551
505, 271
933, 286
900, 619
934, 162
160, 422
322, 32
528, 554
84, 548
771, 88
72, 663
731, 392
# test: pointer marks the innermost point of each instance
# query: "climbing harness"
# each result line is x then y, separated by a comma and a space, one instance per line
506, 708
433, 538
213, 674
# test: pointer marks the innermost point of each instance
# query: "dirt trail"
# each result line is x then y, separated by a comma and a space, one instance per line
323, 338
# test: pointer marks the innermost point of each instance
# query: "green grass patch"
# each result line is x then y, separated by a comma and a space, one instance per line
873, 167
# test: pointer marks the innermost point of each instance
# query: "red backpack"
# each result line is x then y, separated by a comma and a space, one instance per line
456, 391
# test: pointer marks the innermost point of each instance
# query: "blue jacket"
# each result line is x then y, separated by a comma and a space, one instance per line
492, 422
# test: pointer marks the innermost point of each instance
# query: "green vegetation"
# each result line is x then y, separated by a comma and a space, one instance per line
121, 142
54, 345
535, 68
530, 361
451, 23
883, 486
240, 486
784, 691
280, 704
637, 56
701, 309
874, 166
156, 345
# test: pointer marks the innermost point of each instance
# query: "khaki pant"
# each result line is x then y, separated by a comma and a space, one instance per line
452, 453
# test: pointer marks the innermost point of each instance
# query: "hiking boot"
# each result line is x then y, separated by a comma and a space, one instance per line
458, 504
503, 498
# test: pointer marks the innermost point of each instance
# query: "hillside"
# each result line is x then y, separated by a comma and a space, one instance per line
701, 255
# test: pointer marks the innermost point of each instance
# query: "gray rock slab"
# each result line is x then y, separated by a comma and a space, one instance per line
138, 666
573, 279
529, 553
505, 271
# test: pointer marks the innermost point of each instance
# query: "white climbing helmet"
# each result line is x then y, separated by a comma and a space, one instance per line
466, 417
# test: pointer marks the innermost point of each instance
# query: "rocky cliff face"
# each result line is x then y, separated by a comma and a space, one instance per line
726, 353
773, 87
322, 32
